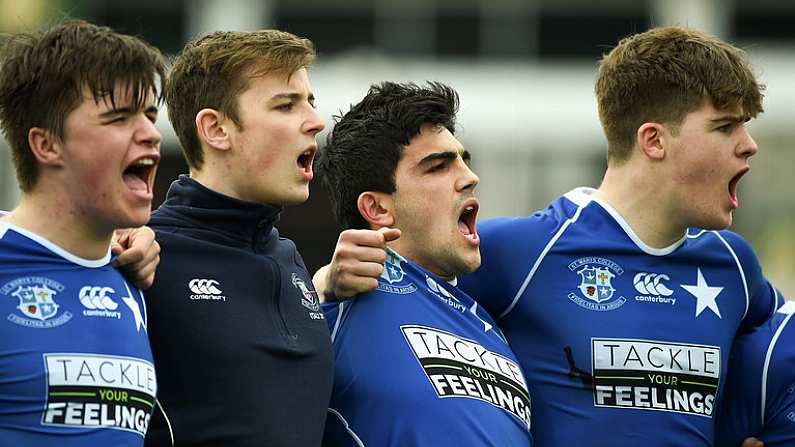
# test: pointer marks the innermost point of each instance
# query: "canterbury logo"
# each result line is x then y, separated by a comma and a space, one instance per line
204, 286
651, 284
97, 298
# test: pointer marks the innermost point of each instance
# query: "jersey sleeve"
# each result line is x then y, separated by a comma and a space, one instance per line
758, 397
739, 410
510, 247
332, 311
763, 298
338, 432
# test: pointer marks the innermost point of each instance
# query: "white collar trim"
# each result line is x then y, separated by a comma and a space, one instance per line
89, 263
584, 195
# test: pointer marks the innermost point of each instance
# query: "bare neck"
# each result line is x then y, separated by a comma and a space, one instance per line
213, 181
53, 217
638, 195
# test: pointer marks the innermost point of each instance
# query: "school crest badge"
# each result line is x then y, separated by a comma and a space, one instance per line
596, 287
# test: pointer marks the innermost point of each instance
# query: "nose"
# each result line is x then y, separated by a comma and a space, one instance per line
147, 134
314, 123
468, 180
747, 147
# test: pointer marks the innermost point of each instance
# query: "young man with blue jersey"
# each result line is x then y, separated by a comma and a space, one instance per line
417, 361
233, 313
78, 105
621, 303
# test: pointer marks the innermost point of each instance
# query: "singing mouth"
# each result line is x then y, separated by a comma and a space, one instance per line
306, 158
733, 186
139, 175
467, 219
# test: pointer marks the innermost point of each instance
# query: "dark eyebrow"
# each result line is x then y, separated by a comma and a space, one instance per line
446, 155
731, 119
293, 96
126, 111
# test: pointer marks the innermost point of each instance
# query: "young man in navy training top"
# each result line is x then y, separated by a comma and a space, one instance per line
233, 311
417, 362
78, 105
621, 303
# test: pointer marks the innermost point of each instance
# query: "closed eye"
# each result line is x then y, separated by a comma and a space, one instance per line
116, 119
437, 167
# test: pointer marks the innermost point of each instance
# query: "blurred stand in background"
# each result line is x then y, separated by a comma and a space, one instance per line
525, 72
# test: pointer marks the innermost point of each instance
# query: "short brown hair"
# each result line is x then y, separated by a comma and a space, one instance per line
44, 74
665, 73
214, 70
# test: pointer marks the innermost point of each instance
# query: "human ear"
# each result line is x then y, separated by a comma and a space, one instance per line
651, 140
212, 130
45, 147
376, 208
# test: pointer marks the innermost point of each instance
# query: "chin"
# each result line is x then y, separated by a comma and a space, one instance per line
295, 199
721, 223
469, 264
136, 219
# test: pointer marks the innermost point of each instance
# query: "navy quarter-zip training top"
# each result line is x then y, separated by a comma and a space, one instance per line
242, 351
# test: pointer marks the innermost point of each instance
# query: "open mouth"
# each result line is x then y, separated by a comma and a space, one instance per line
305, 160
733, 187
467, 220
139, 175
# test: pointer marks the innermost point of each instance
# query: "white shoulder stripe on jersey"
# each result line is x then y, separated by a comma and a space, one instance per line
90, 263
347, 427
3, 228
740, 269
580, 196
338, 323
143, 304
789, 309
775, 302
540, 258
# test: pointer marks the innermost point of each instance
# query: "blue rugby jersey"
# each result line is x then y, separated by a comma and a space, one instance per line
75, 363
419, 363
621, 344
759, 399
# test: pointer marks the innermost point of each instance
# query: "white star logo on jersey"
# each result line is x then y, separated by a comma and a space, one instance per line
705, 295
474, 311
133, 305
